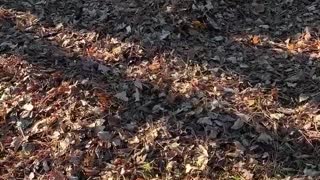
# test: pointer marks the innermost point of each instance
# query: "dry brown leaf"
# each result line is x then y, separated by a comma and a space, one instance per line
189, 168
247, 174
198, 25
317, 118
28, 107
117, 50
255, 40
134, 140
154, 66
16, 143
203, 158
103, 99
251, 102
64, 145
276, 116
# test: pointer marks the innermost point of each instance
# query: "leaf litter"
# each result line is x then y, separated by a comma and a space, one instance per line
159, 89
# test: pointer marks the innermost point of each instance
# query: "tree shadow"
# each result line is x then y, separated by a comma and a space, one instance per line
230, 52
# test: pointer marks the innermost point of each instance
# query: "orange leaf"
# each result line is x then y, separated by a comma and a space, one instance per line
255, 40
154, 66
291, 46
91, 50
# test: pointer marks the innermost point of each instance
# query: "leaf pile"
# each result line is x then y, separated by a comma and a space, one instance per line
184, 89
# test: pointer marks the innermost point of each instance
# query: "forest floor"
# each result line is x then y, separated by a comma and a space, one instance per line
159, 89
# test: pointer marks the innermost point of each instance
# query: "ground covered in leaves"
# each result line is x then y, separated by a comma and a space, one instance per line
159, 89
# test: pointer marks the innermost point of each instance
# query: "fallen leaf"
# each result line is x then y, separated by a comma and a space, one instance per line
64, 145
116, 50
198, 25
311, 172
45, 166
265, 26
244, 66
134, 140
213, 24
255, 40
247, 174
28, 107
232, 59
128, 29
265, 155
122, 96
104, 135
218, 38
203, 158
307, 34
307, 126
251, 102
164, 34
276, 116
243, 117
303, 97
57, 175
317, 118
205, 121
137, 95
31, 175
170, 165
117, 142
295, 77
154, 66
16, 143
138, 84
237, 125
209, 5
229, 90
264, 138
219, 123
188, 168
291, 84
28, 148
